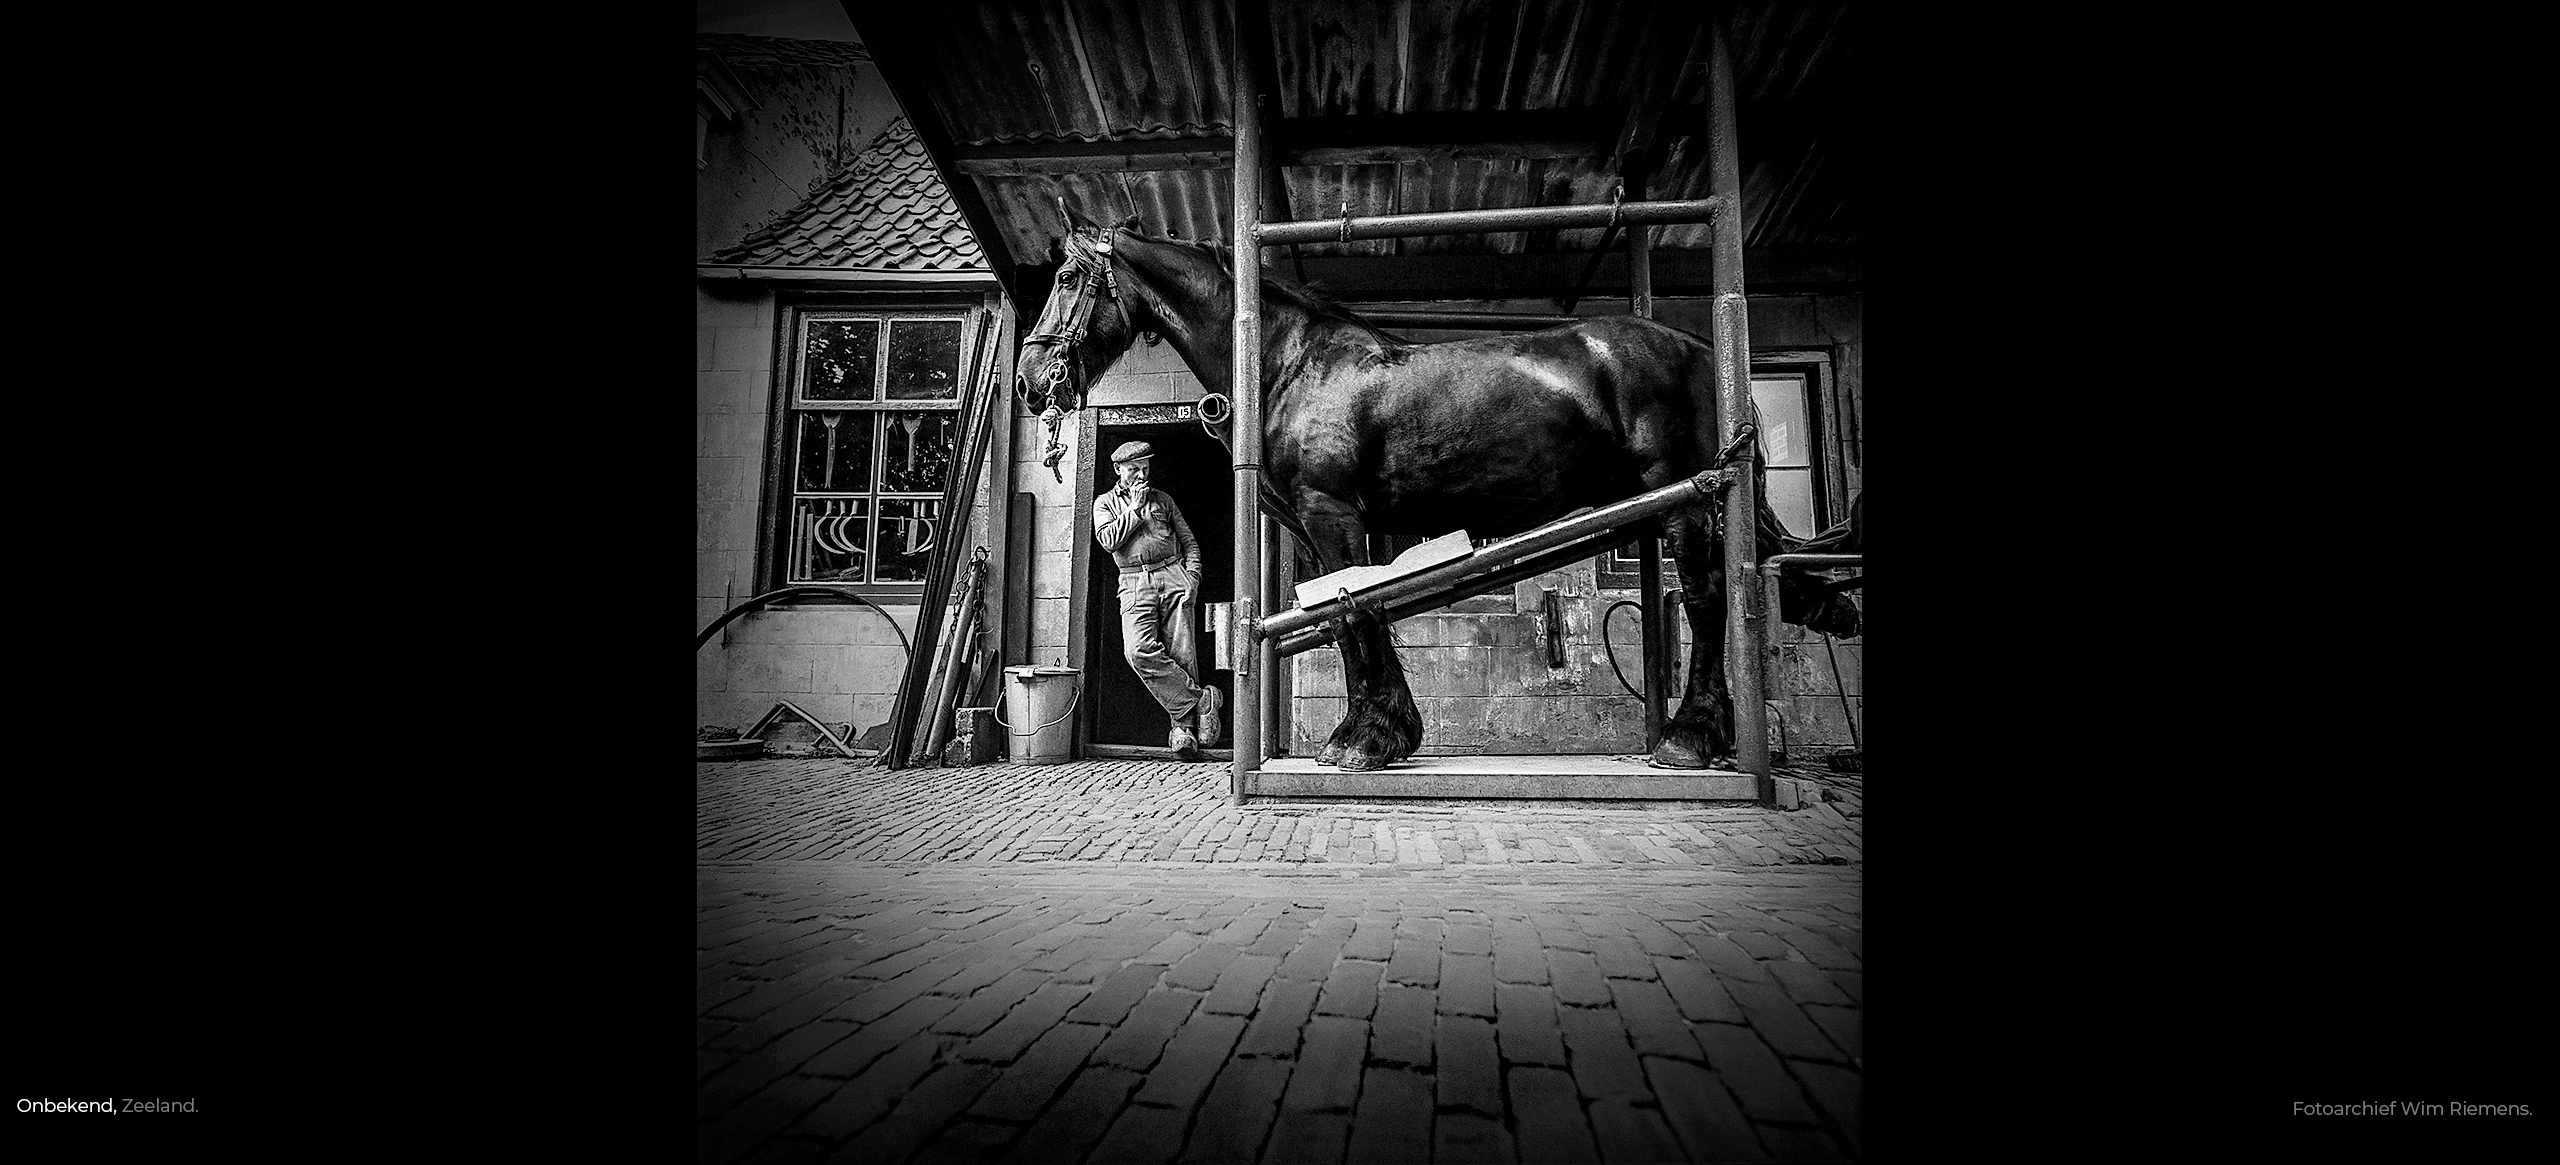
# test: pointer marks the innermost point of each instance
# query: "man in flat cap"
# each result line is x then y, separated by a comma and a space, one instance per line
1159, 596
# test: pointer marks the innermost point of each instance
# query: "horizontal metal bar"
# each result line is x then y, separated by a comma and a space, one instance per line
1548, 275
1459, 222
1488, 559
1466, 321
1812, 561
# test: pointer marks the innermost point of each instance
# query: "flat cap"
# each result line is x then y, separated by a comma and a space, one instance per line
1131, 451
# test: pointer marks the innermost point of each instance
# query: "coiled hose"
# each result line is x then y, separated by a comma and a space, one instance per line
1836, 687
729, 616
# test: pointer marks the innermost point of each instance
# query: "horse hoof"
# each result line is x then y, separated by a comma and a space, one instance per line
1357, 760
1331, 754
1671, 754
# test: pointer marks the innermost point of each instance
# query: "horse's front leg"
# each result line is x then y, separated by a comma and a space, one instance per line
1702, 730
1337, 538
1380, 724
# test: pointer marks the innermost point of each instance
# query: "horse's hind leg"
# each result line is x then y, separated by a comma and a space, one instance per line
1702, 730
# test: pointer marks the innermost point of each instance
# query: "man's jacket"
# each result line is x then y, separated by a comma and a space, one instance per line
1149, 532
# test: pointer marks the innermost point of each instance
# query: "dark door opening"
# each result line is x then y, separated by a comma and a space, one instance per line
1192, 468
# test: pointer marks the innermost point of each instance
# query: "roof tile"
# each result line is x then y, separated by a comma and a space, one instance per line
887, 211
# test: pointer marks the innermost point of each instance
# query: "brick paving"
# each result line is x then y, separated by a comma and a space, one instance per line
1103, 961
1152, 811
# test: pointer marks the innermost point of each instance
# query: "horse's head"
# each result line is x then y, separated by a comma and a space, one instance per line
1088, 322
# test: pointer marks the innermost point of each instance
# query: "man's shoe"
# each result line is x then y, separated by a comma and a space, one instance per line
1182, 743
1212, 725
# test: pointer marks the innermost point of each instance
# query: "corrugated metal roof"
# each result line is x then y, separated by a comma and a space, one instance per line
888, 211
1138, 70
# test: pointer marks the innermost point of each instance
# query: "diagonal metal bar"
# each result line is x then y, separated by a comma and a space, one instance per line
1488, 559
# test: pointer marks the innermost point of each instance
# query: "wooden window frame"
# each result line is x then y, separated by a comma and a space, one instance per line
792, 316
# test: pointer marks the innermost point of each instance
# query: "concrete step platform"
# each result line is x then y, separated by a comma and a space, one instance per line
1594, 778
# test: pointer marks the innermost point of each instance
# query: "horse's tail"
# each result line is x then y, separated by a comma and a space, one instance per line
1803, 599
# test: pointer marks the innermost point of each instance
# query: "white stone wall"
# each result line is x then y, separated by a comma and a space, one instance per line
842, 664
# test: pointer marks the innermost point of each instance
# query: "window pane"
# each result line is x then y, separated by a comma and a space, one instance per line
918, 448
924, 359
843, 358
835, 451
1791, 495
1785, 437
908, 535
828, 537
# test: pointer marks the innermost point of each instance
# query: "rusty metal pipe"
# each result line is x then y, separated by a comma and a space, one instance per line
1746, 608
1488, 559
1813, 561
1252, 682
1461, 222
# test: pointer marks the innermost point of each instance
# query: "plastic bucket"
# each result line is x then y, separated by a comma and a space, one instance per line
1037, 703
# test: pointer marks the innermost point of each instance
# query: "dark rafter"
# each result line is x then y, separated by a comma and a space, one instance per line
1324, 141
917, 102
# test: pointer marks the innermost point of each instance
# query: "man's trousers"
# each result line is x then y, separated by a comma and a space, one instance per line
1160, 635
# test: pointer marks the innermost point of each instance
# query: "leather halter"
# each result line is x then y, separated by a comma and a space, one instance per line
1090, 264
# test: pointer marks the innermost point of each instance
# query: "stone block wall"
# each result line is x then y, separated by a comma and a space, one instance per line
1483, 681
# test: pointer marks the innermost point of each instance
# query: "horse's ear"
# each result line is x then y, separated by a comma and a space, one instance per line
1075, 220
1057, 251
1130, 224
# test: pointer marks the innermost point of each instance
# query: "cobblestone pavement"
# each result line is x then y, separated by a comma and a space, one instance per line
1123, 811
1103, 962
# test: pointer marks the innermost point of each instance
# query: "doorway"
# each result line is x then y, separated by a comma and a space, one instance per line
1192, 468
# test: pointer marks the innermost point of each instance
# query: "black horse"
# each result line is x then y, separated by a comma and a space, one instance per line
1364, 433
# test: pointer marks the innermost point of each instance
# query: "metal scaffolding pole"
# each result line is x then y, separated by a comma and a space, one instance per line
1655, 620
1252, 675
1275, 593
1746, 611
